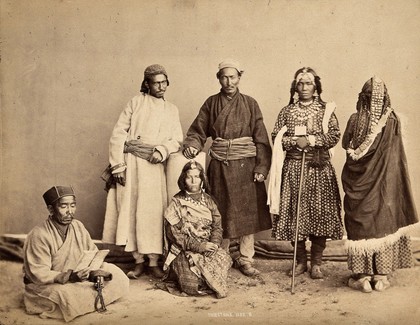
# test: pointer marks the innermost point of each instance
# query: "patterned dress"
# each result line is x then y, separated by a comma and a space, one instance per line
192, 221
320, 209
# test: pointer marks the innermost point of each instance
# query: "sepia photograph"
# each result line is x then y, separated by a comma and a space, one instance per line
209, 162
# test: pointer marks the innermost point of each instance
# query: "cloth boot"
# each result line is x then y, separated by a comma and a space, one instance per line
301, 258
360, 282
317, 248
380, 282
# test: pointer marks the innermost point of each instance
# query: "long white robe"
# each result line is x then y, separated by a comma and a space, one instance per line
134, 212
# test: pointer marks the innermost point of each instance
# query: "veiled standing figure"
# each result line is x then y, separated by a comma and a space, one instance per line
378, 203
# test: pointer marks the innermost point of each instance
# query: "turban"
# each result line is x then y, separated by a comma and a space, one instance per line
57, 192
230, 63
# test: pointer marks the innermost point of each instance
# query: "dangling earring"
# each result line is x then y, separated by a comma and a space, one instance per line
316, 93
295, 97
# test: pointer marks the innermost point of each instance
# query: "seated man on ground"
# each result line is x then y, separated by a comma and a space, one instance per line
54, 286
194, 233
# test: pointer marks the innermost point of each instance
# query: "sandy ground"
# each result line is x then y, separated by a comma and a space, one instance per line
265, 299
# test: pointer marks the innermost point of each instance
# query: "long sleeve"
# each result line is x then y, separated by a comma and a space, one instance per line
260, 138
331, 138
186, 243
286, 139
38, 259
174, 226
119, 136
46, 255
198, 132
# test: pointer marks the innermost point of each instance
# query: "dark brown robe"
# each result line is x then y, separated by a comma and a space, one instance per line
241, 201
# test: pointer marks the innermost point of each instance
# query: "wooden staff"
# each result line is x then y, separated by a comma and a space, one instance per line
302, 169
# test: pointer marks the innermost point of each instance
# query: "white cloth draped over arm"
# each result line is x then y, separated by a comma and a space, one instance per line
274, 184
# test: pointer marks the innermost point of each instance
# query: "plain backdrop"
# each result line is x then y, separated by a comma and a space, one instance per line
68, 68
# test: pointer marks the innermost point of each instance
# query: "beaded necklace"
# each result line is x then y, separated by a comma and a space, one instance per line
302, 111
200, 201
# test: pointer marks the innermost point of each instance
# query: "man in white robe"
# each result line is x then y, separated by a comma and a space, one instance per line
146, 133
54, 285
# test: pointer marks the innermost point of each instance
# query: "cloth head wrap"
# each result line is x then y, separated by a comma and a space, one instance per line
231, 63
57, 192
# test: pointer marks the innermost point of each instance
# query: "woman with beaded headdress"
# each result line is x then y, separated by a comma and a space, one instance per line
307, 124
378, 204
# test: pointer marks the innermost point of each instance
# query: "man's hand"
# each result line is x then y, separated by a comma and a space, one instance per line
302, 142
119, 178
190, 152
80, 276
210, 249
83, 274
259, 177
156, 157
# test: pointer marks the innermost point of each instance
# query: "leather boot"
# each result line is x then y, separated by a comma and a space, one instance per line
301, 258
317, 248
138, 270
156, 272
248, 270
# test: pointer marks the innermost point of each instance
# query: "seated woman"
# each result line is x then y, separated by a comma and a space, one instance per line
194, 234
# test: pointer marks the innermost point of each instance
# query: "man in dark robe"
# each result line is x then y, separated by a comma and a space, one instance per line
241, 157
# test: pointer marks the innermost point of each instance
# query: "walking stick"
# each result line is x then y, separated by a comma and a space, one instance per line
302, 169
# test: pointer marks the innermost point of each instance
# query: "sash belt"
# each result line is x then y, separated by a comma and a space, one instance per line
232, 149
